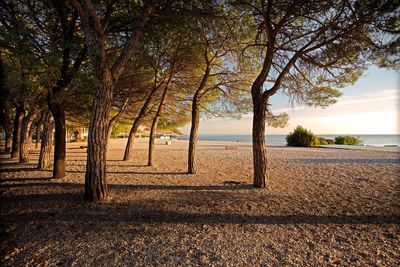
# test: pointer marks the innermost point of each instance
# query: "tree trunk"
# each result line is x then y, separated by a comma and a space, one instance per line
6, 122
154, 124
25, 128
19, 116
136, 124
110, 128
95, 178
8, 141
46, 142
114, 119
259, 148
59, 139
39, 130
131, 138
151, 140
194, 131
5, 108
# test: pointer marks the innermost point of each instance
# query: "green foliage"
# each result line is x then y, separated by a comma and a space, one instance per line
120, 128
278, 121
347, 140
302, 137
324, 141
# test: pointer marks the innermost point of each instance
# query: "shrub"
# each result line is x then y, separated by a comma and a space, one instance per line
324, 141
302, 137
347, 140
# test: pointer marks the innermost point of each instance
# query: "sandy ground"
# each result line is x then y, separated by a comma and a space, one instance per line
322, 207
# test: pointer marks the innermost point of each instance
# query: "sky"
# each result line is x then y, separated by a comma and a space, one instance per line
370, 106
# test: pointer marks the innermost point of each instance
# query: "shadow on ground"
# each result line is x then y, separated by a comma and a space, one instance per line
187, 205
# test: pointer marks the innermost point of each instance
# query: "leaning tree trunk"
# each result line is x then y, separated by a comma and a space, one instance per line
46, 142
154, 124
114, 119
132, 136
59, 139
110, 128
259, 148
19, 116
95, 178
194, 132
26, 126
136, 123
194, 129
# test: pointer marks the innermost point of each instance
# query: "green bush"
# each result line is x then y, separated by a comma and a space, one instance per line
302, 137
347, 140
324, 141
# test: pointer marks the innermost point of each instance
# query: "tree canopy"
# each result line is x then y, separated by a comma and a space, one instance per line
163, 64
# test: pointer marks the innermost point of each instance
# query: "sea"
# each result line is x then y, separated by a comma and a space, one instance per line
379, 140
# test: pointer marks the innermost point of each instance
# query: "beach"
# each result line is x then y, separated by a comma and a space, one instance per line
321, 207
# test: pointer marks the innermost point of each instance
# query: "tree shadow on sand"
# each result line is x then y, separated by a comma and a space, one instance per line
189, 205
23, 170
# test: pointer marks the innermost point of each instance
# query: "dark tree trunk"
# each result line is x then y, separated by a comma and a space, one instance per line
5, 109
25, 128
19, 116
95, 178
46, 142
6, 122
194, 132
259, 148
59, 139
8, 141
39, 130
154, 125
136, 123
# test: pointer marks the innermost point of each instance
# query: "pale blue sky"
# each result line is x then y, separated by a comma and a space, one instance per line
370, 106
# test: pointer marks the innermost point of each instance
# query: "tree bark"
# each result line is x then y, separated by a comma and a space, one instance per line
19, 116
46, 142
95, 178
6, 122
194, 132
58, 114
136, 123
154, 124
39, 130
23, 145
110, 128
194, 129
151, 140
259, 148
132, 136
114, 119
5, 109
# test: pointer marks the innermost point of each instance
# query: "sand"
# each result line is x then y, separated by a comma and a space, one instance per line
322, 207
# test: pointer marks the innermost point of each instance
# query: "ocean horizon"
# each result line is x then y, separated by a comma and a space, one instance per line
367, 139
